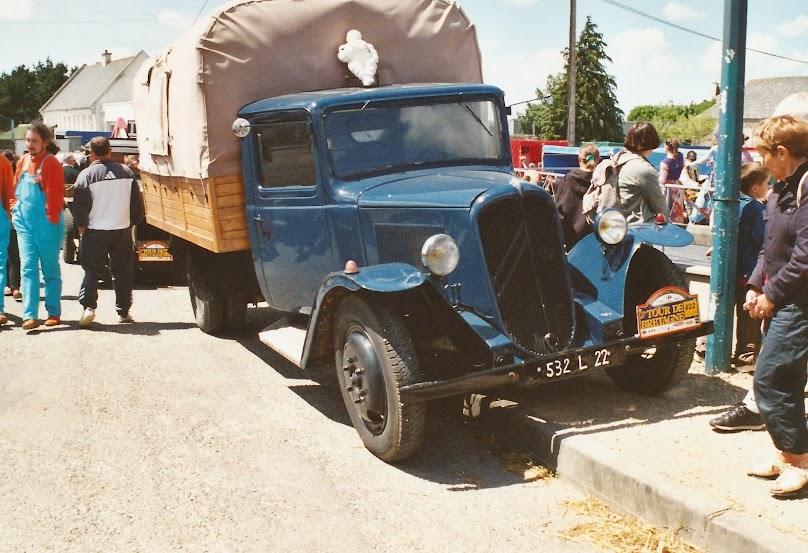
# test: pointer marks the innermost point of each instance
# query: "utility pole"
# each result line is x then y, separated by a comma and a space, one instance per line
571, 79
730, 140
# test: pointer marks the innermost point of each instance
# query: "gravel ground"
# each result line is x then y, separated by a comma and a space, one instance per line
156, 437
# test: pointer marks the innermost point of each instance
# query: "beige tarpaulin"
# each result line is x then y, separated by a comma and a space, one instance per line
187, 96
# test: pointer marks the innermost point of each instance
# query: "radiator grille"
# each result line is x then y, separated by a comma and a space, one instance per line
528, 272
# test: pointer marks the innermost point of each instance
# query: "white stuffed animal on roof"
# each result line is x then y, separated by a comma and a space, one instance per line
361, 57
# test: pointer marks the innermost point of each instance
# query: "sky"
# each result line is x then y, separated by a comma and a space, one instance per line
655, 59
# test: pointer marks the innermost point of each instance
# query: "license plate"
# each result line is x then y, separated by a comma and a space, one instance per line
571, 363
154, 252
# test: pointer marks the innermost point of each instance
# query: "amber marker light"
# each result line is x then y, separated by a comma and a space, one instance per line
351, 268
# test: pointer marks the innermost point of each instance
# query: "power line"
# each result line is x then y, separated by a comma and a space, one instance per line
692, 32
200, 12
80, 21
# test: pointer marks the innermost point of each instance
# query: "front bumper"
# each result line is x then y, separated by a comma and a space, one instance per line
545, 368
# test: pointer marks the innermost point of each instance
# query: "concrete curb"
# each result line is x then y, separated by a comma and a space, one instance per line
704, 522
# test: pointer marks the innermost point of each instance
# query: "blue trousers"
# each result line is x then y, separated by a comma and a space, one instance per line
780, 378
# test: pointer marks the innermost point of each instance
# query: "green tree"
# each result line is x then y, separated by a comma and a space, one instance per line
689, 130
688, 122
597, 116
670, 112
23, 91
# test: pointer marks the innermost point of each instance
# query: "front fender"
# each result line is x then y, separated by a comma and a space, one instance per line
385, 278
599, 271
405, 288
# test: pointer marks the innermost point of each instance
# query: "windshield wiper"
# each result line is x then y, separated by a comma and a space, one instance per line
356, 112
477, 118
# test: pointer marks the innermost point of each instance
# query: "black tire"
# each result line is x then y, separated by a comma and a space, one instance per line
375, 358
235, 313
208, 308
651, 372
69, 249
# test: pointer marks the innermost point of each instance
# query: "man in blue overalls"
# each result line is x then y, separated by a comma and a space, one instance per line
40, 225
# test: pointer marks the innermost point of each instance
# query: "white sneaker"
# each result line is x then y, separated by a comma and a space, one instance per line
126, 319
87, 317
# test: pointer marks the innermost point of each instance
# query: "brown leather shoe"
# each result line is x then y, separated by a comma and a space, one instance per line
3, 319
17, 295
30, 324
53, 321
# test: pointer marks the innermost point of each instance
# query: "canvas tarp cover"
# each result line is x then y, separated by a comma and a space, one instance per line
187, 96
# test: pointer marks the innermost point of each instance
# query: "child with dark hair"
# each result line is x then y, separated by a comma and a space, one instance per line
751, 231
670, 169
569, 195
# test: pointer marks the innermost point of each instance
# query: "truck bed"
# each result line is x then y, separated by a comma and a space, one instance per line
208, 212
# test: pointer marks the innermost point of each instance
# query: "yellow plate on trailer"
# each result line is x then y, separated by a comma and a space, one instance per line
154, 251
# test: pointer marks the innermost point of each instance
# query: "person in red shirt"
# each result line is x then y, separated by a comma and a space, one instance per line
39, 222
6, 197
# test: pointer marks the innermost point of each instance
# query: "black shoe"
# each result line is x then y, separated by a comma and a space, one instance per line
738, 418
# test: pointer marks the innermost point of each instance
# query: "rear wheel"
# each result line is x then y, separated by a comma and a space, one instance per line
209, 309
375, 358
235, 313
656, 369
69, 249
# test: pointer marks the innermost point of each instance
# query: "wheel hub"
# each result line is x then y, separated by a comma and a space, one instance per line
363, 381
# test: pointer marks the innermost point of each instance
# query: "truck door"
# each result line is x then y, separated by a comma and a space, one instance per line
289, 232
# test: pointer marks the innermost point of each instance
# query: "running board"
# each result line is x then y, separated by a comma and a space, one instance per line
286, 339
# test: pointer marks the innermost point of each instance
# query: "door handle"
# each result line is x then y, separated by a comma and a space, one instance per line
258, 218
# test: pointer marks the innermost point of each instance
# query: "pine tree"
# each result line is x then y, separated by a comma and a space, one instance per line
597, 116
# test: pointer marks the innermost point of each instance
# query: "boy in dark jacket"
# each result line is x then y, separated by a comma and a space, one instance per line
751, 229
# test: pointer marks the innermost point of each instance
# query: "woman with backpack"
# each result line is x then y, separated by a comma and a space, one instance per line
641, 196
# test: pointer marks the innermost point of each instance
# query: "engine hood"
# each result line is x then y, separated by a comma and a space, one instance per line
456, 189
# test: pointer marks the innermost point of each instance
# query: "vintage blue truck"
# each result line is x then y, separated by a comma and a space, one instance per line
387, 224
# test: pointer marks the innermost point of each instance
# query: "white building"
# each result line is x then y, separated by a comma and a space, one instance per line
95, 96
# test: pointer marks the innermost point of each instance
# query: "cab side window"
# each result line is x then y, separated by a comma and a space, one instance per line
286, 154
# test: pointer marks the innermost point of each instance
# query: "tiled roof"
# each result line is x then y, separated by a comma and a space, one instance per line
761, 96
87, 84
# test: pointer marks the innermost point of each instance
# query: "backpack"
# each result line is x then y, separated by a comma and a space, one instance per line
604, 192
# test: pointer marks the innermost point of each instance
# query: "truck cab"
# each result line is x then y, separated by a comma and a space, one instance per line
390, 220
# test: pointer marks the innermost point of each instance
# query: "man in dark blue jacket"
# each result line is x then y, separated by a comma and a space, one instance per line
106, 204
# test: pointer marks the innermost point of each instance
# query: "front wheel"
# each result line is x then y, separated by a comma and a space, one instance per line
656, 369
375, 358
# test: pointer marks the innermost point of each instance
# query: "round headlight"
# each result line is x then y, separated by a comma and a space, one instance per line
611, 227
440, 254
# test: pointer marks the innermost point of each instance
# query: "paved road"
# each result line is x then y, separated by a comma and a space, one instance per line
156, 437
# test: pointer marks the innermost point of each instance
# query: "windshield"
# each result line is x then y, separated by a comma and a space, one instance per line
377, 138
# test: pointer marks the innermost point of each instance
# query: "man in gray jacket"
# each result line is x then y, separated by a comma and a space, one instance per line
107, 202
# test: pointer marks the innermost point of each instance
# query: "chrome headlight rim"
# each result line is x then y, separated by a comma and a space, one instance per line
611, 227
440, 254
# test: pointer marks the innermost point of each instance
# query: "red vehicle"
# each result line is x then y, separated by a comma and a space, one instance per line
531, 149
